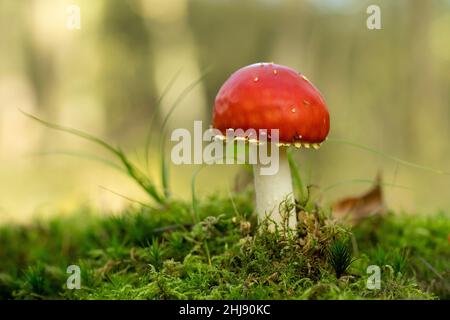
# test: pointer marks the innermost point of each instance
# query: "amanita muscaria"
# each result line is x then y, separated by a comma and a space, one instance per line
270, 96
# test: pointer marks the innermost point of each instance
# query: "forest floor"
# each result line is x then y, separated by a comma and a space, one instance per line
162, 253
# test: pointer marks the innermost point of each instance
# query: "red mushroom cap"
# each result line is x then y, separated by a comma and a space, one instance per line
270, 96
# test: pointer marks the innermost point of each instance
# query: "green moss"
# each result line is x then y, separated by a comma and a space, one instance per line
161, 254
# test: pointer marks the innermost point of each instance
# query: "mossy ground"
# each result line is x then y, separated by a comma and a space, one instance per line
160, 254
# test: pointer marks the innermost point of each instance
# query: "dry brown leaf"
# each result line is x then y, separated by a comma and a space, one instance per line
355, 209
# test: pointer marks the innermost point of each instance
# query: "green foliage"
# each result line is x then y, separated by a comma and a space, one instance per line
340, 256
156, 254
416, 245
161, 254
301, 191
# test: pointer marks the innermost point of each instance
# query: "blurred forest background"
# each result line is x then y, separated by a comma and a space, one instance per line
388, 89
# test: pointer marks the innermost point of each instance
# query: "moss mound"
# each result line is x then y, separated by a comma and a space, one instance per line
161, 254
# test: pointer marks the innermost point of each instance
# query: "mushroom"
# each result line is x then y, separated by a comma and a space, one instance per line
271, 96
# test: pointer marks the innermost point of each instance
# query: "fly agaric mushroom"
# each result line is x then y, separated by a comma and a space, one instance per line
270, 96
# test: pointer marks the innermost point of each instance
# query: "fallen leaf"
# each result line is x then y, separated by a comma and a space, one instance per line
355, 209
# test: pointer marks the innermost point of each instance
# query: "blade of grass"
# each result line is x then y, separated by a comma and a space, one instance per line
195, 207
127, 198
148, 142
235, 209
72, 131
196, 211
296, 177
132, 170
182, 95
80, 155
193, 190
349, 181
208, 255
388, 156
162, 145
429, 266
165, 175
140, 178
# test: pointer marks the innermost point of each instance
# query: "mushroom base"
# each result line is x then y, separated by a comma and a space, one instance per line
275, 195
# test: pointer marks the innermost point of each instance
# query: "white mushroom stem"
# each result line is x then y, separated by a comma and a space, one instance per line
273, 190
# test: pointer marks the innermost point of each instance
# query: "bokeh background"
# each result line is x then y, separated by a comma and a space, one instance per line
386, 89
